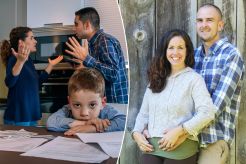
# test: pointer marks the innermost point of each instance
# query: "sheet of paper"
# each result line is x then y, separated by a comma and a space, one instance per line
21, 144
112, 149
16, 133
69, 149
110, 142
101, 137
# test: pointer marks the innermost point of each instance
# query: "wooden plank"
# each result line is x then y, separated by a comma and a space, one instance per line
175, 14
228, 8
229, 16
129, 152
241, 44
192, 29
201, 2
138, 17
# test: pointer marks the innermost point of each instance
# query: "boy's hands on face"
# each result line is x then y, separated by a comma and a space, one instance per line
77, 129
76, 123
93, 125
100, 124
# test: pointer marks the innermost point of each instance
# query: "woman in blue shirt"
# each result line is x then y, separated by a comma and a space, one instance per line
22, 80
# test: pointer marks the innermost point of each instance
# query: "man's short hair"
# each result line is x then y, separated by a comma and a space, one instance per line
91, 14
213, 6
86, 79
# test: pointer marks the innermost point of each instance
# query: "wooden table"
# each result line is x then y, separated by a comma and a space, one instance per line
9, 157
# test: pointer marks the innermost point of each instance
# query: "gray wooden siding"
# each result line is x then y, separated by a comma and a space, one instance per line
145, 21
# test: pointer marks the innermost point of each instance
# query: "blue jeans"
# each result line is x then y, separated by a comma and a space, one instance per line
31, 123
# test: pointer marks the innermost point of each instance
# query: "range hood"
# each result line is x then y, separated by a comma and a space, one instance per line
53, 29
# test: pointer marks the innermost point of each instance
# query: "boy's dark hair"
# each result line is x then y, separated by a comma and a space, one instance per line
160, 67
213, 6
86, 79
91, 14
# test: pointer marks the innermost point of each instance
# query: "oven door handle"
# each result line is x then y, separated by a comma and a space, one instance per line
54, 83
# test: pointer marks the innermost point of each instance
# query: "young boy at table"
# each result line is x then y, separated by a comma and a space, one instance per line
87, 110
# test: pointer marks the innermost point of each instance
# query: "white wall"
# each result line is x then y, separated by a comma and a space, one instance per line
40, 12
11, 15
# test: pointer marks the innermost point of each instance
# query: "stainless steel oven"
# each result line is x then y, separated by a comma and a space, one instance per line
50, 43
53, 92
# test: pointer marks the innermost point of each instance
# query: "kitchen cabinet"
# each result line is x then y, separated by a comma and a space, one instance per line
40, 13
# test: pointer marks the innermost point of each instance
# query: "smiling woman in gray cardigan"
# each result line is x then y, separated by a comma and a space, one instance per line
176, 103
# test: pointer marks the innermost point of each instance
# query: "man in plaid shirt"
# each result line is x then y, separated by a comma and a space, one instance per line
104, 53
222, 68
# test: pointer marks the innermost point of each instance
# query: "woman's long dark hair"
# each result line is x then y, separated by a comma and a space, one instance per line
16, 34
160, 67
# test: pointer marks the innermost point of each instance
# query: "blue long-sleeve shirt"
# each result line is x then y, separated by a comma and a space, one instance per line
223, 71
23, 96
60, 120
105, 55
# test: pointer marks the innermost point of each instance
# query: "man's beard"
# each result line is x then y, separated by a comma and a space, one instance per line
211, 38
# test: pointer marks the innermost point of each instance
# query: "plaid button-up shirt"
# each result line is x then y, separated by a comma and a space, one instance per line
105, 55
223, 69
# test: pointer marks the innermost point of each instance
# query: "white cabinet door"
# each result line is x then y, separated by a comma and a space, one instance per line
44, 12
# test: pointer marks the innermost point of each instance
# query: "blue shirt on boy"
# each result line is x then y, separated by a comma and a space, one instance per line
60, 120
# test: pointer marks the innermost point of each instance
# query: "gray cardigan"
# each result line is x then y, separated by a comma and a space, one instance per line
185, 100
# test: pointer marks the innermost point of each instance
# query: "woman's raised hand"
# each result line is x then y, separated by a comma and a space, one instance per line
52, 63
56, 60
23, 52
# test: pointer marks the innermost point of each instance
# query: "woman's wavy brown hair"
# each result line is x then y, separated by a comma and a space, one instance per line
160, 67
16, 34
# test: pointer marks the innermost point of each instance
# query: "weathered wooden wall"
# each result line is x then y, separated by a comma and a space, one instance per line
145, 21
241, 43
139, 25
140, 30
180, 17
